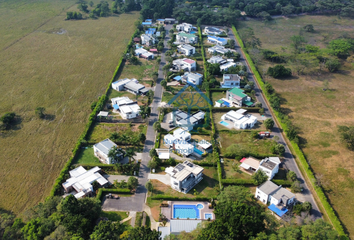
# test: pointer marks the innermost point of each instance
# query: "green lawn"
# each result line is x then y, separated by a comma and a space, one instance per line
86, 156
217, 95
114, 216
102, 131
138, 219
231, 169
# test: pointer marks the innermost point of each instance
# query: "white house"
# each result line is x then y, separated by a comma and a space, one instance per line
239, 120
217, 59
81, 180
183, 37
231, 81
184, 148
185, 176
130, 85
227, 65
184, 64
205, 146
127, 108
279, 198
217, 40
181, 134
186, 49
194, 78
185, 27
163, 153
219, 49
187, 121
147, 40
101, 151
212, 31
270, 166
143, 53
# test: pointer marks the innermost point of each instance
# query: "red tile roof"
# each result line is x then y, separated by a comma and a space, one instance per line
190, 61
153, 50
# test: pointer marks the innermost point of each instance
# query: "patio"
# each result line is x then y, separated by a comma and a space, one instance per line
168, 211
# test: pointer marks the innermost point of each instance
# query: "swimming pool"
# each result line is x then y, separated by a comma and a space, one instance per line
208, 215
224, 123
196, 150
192, 32
186, 211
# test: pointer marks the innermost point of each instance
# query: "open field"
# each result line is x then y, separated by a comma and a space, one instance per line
315, 112
64, 73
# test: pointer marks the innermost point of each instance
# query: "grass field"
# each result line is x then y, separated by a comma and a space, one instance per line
315, 112
64, 73
232, 171
86, 156
115, 216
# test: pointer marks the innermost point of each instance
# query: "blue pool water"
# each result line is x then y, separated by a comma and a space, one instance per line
185, 211
200, 206
208, 215
192, 32
198, 151
224, 123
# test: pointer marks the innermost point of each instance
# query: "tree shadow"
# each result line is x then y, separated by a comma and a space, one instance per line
49, 117
286, 111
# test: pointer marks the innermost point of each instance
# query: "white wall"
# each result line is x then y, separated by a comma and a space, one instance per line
261, 196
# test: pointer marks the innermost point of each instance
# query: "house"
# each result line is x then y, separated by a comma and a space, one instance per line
179, 142
237, 97
185, 176
230, 81
278, 197
217, 59
217, 40
160, 21
212, 31
184, 64
130, 85
101, 151
185, 27
147, 23
181, 134
250, 164
184, 148
81, 180
219, 50
179, 225
187, 121
170, 21
127, 108
186, 49
183, 37
136, 40
204, 146
163, 153
143, 53
193, 78
147, 40
270, 166
227, 65
239, 120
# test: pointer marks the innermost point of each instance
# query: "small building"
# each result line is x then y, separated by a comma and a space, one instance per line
227, 65
219, 50
153, 50
181, 134
130, 85
163, 153
217, 59
217, 40
101, 151
147, 40
187, 121
205, 146
143, 53
239, 120
136, 40
127, 108
185, 27
81, 180
186, 49
177, 226
237, 97
185, 176
184, 148
160, 21
212, 31
231, 81
147, 24
279, 198
170, 21
270, 166
183, 37
184, 64
250, 164
193, 78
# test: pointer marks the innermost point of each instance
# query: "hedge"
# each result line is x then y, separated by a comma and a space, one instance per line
158, 138
107, 190
282, 182
295, 147
203, 53
56, 189
250, 154
237, 182
173, 198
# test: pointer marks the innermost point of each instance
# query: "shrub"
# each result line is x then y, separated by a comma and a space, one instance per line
269, 123
279, 71
296, 187
291, 176
259, 177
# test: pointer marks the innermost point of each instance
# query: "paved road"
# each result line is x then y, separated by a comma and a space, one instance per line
136, 202
289, 161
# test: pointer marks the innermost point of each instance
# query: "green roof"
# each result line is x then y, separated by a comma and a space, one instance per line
220, 101
188, 35
238, 92
248, 103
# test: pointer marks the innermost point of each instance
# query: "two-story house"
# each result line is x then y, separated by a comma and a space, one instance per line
217, 59
217, 40
185, 27
183, 37
230, 81
237, 98
219, 50
101, 151
184, 64
147, 40
186, 49
185, 176
193, 78
212, 31
270, 166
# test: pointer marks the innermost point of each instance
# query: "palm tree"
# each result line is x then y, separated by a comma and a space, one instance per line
115, 154
130, 153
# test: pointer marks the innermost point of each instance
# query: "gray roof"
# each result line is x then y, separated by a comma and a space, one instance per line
268, 164
178, 226
283, 194
187, 46
268, 187
134, 86
199, 115
105, 145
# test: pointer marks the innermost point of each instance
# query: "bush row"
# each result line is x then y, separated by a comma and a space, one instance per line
295, 147
157, 142
172, 198
56, 189
283, 183
248, 154
103, 191
237, 182
203, 53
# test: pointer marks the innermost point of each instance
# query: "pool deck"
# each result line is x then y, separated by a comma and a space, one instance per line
168, 211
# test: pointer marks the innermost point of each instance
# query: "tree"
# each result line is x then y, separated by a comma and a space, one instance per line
115, 154
7, 119
142, 233
40, 112
134, 60
306, 207
259, 177
269, 123
93, 105
142, 137
164, 83
234, 194
149, 186
296, 186
279, 71
132, 182
152, 164
341, 47
297, 42
107, 230
155, 75
91, 4
291, 133
288, 9
347, 136
332, 64
278, 149
153, 153
157, 126
291, 176
130, 153
309, 28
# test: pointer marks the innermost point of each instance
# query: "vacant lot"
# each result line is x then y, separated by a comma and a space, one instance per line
63, 73
315, 112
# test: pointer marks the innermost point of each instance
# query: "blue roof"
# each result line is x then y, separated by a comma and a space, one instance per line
160, 19
177, 78
149, 32
226, 104
277, 210
115, 106
217, 38
146, 23
152, 29
148, 20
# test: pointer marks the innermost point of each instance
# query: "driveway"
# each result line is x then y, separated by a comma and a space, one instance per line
165, 179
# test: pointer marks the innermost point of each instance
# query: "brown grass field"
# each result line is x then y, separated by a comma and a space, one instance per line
64, 73
317, 113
